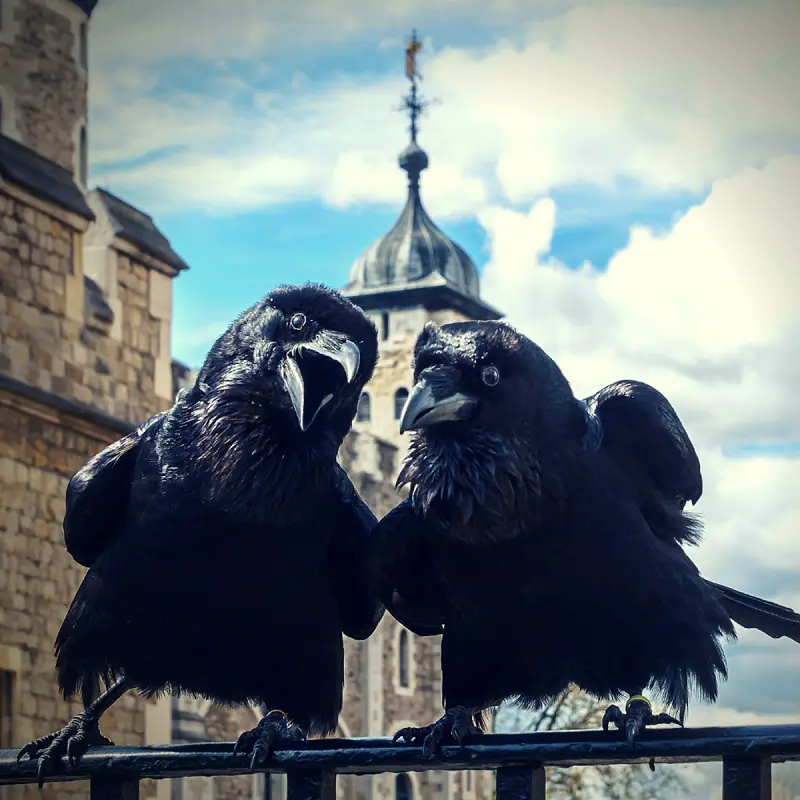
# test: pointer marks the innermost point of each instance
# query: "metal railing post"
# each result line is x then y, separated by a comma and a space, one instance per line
114, 789
746, 778
311, 786
521, 783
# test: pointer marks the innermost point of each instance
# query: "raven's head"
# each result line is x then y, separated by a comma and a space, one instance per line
487, 404
301, 356
485, 375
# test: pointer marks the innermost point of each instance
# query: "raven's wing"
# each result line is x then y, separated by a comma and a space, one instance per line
98, 494
641, 431
360, 609
753, 612
405, 573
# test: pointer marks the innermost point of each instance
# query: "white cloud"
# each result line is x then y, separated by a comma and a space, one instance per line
708, 313
671, 96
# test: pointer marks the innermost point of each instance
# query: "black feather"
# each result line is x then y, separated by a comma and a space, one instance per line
550, 531
226, 547
775, 620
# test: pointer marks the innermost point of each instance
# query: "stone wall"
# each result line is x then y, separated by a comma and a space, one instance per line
44, 338
225, 725
45, 86
394, 371
422, 703
49, 341
371, 465
38, 578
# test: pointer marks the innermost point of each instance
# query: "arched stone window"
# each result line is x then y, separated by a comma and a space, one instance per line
400, 397
83, 158
363, 412
403, 659
83, 45
403, 790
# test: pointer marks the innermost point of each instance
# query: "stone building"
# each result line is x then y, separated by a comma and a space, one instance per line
85, 329
85, 325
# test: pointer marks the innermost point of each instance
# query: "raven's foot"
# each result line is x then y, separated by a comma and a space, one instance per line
260, 741
456, 724
72, 741
637, 716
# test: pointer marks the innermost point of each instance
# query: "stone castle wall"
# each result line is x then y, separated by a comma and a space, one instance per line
38, 455
44, 82
45, 340
394, 371
46, 343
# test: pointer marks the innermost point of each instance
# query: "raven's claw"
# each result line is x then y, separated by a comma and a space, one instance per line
456, 724
72, 741
636, 717
261, 740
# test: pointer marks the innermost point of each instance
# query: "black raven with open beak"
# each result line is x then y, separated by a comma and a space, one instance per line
226, 548
543, 537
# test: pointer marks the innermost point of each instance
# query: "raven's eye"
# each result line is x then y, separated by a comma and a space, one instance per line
298, 321
490, 375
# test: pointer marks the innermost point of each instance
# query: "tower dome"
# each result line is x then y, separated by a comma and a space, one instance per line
416, 263
415, 250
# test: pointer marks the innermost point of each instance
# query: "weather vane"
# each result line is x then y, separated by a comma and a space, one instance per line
412, 102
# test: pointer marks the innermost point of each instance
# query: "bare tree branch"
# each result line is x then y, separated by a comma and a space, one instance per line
574, 710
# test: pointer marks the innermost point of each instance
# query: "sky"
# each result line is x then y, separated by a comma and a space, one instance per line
625, 175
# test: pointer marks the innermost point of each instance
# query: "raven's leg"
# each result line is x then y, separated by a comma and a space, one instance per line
457, 723
76, 737
637, 716
260, 741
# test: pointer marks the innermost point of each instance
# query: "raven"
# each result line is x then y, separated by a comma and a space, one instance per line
543, 536
226, 547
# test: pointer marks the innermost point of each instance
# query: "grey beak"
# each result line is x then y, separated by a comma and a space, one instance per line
311, 386
337, 346
435, 399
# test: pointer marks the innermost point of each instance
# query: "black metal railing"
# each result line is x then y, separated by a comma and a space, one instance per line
747, 754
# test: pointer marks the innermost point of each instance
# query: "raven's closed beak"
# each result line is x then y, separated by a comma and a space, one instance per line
314, 371
435, 398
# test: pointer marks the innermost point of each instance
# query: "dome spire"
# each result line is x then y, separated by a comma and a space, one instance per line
411, 102
415, 264
413, 159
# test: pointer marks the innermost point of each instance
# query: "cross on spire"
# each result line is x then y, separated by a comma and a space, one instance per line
412, 103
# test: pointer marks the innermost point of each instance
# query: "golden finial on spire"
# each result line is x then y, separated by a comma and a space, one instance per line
412, 103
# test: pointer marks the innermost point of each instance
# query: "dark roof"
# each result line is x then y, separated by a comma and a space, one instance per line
96, 308
87, 6
432, 297
416, 252
138, 228
41, 177
66, 405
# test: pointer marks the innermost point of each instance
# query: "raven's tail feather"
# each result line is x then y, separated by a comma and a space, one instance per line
752, 612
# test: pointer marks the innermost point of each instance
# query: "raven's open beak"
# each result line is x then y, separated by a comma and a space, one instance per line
314, 371
435, 398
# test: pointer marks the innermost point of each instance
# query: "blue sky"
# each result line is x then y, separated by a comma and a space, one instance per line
656, 141
310, 241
